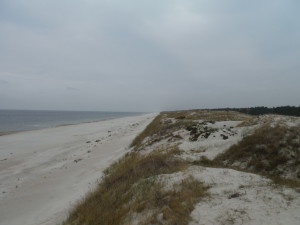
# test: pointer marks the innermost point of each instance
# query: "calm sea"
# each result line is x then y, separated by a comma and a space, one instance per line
16, 120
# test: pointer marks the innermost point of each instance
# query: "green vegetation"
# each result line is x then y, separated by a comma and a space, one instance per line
199, 129
261, 110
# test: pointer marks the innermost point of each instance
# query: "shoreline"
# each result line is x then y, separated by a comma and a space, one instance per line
4, 133
44, 172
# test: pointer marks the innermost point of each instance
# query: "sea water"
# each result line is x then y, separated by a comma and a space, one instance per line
17, 120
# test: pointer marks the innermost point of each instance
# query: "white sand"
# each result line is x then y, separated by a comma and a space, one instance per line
244, 198
239, 198
44, 173
235, 197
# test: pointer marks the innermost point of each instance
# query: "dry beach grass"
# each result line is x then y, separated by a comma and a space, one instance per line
129, 187
179, 167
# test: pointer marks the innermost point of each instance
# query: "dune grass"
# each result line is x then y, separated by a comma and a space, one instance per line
273, 152
208, 115
129, 187
160, 128
166, 123
132, 193
151, 129
269, 150
170, 207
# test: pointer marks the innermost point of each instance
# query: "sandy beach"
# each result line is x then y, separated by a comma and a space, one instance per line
43, 173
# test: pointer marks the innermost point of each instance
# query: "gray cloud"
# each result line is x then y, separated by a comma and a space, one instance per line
3, 82
72, 89
149, 55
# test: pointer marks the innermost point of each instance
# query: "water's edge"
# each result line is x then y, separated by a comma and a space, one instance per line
13, 121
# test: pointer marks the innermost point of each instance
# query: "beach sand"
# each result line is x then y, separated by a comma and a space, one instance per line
43, 173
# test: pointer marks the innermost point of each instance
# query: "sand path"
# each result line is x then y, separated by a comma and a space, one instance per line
43, 173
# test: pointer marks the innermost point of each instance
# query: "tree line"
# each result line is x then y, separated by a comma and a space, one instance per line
261, 110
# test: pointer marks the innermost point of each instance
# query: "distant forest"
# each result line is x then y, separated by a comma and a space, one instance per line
261, 110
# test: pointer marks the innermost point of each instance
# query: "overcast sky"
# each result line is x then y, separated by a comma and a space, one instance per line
148, 55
